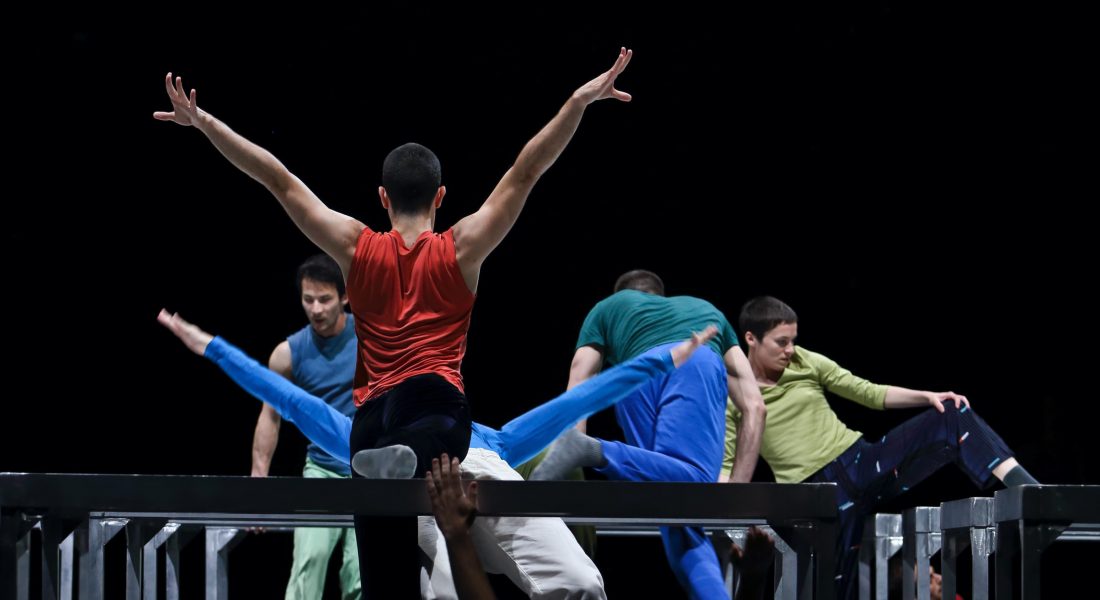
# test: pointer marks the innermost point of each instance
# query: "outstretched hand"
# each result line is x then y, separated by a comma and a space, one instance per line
604, 86
194, 338
185, 110
454, 508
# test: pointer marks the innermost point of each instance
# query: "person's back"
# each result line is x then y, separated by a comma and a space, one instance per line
629, 322
412, 310
417, 411
673, 427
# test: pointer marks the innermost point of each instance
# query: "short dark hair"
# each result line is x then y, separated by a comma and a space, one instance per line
641, 280
761, 314
322, 269
411, 175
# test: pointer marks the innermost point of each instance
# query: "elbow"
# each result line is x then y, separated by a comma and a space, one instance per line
279, 181
275, 177
531, 163
576, 377
581, 368
578, 374
755, 410
525, 172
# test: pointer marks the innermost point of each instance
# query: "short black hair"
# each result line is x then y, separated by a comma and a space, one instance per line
322, 269
763, 313
411, 175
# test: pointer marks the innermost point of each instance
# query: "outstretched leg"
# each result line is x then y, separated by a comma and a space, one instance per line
322, 424
574, 449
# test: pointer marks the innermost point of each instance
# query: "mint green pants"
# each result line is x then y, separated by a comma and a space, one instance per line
312, 548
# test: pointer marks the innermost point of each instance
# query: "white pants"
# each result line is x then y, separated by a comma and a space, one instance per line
538, 554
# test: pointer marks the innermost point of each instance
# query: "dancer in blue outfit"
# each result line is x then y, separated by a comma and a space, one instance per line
538, 554
516, 442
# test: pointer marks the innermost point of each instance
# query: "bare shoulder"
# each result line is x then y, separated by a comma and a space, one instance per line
280, 360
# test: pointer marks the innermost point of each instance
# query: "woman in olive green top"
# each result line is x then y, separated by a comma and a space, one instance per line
804, 441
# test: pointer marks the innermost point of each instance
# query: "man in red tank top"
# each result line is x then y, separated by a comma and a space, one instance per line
412, 291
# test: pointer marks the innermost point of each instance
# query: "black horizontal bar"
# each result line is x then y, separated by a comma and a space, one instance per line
1047, 503
607, 501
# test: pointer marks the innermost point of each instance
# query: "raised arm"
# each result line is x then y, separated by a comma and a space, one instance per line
478, 234
335, 233
746, 397
455, 509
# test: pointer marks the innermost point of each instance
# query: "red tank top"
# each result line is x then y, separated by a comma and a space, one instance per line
412, 310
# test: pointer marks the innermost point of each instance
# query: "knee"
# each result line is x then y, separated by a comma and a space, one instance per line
311, 557
950, 412
949, 408
583, 584
703, 473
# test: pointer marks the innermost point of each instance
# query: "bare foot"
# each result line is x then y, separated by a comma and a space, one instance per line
681, 353
194, 338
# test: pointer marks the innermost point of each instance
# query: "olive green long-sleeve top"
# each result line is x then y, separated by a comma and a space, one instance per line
802, 433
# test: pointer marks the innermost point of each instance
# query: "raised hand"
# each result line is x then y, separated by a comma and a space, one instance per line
454, 508
184, 109
604, 86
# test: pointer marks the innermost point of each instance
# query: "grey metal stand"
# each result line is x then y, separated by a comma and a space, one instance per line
967, 522
921, 539
882, 539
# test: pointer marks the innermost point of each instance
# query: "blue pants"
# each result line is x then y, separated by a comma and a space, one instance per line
675, 431
323, 425
520, 439
868, 474
516, 442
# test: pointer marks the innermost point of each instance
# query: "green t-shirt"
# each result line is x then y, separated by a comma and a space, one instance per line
802, 433
630, 322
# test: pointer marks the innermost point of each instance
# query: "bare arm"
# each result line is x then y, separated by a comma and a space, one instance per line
478, 234
266, 436
335, 233
455, 511
899, 397
587, 363
746, 397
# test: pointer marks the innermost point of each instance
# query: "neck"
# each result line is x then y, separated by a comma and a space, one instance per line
762, 373
411, 226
